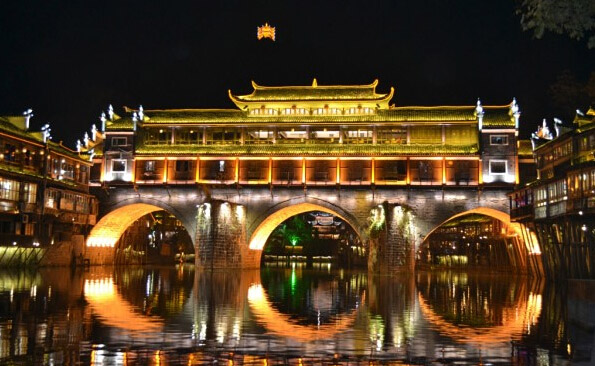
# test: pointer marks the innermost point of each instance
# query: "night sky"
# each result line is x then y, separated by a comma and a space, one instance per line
69, 59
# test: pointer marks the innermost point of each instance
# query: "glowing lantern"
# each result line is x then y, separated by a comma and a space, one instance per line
265, 31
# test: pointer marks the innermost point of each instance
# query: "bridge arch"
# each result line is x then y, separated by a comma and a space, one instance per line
526, 252
104, 236
265, 224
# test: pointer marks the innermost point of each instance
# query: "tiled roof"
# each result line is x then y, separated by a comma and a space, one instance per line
226, 116
309, 149
121, 124
525, 148
498, 118
10, 129
314, 92
35, 137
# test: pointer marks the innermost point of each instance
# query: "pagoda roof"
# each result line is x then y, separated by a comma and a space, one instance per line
498, 117
525, 149
314, 92
35, 138
464, 114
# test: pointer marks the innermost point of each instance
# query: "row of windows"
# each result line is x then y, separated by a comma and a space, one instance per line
10, 190
263, 111
67, 201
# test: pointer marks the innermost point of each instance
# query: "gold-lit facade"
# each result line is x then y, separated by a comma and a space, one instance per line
560, 204
313, 135
44, 189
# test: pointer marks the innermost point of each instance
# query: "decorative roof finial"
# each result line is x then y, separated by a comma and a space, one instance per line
110, 112
93, 132
134, 120
514, 107
479, 114
79, 146
479, 108
314, 83
558, 126
102, 119
141, 114
86, 139
543, 131
28, 114
45, 133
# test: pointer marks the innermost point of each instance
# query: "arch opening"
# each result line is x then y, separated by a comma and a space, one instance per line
481, 238
140, 233
309, 232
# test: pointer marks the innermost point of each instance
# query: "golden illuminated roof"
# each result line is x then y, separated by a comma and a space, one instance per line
314, 92
525, 148
498, 117
233, 116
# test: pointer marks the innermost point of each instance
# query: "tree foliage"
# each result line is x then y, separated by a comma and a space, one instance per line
569, 93
574, 18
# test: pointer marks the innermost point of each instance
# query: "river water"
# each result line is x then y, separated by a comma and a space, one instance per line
180, 316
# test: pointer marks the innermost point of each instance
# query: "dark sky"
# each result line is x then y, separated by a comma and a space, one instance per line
69, 59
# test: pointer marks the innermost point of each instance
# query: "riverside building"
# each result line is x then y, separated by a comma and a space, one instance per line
560, 204
44, 194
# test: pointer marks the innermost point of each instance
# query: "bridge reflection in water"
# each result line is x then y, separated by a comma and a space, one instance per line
182, 316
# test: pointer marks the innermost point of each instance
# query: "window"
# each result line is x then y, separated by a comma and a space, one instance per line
119, 141
67, 201
149, 166
9, 189
9, 152
498, 167
67, 170
30, 192
119, 166
498, 140
51, 198
392, 136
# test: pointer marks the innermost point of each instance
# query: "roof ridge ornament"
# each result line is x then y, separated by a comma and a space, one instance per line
28, 114
314, 83
93, 132
45, 133
141, 113
110, 112
516, 114
102, 119
479, 113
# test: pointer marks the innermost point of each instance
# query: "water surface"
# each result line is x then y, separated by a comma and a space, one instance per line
175, 316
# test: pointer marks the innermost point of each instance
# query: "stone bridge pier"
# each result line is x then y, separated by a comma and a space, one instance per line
230, 226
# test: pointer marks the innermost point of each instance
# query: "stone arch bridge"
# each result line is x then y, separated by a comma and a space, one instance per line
229, 226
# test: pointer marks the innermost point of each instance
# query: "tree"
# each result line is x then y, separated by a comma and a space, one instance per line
569, 93
574, 18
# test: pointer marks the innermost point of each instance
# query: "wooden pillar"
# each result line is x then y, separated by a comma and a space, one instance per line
373, 173
165, 168
303, 170
197, 177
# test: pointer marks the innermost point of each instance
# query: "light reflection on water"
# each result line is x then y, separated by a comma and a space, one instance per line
159, 316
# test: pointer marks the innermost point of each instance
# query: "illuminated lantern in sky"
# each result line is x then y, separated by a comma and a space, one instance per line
265, 31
